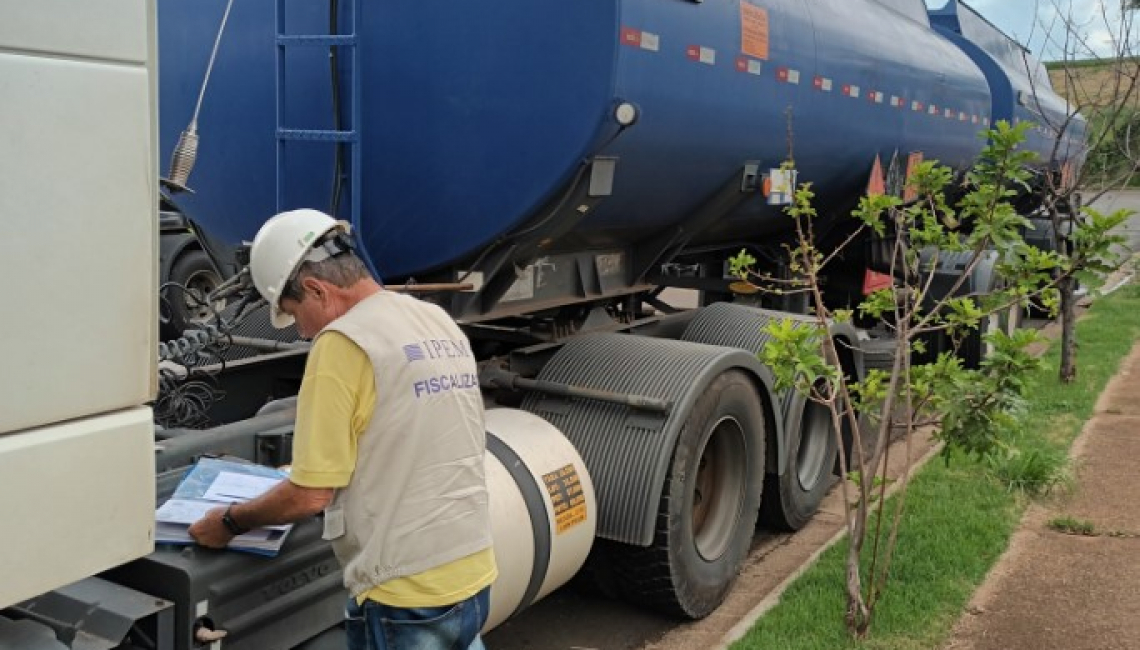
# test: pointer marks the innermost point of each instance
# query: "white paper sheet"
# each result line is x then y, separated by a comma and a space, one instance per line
230, 487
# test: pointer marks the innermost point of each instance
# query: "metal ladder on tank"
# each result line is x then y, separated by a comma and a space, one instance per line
350, 42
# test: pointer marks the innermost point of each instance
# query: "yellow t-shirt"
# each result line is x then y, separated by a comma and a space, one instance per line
337, 399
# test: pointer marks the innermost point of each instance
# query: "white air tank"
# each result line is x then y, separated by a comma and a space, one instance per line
543, 510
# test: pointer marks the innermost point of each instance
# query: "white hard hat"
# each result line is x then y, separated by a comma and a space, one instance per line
282, 244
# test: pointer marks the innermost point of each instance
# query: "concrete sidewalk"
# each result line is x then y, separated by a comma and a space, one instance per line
1053, 590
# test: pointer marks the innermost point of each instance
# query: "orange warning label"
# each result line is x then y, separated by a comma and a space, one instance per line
874, 281
565, 488
753, 30
913, 161
1068, 177
876, 183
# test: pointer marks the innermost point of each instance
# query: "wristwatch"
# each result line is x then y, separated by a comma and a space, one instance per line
232, 525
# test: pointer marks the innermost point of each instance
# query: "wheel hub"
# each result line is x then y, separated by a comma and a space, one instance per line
814, 443
718, 490
198, 287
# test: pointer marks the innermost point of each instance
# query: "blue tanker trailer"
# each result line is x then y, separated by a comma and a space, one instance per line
475, 126
543, 169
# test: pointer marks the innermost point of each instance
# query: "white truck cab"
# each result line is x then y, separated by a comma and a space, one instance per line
78, 260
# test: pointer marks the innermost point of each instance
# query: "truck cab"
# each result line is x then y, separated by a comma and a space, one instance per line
78, 178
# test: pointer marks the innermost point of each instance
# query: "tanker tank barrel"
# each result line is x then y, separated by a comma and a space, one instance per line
433, 207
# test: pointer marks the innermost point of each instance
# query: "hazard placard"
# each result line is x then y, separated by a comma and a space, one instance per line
565, 489
753, 30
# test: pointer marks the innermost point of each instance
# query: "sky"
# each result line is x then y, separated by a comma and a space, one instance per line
1034, 24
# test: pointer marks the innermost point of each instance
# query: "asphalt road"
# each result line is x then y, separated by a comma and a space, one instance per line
573, 619
1127, 200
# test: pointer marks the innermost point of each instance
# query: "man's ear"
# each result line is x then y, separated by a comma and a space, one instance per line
313, 286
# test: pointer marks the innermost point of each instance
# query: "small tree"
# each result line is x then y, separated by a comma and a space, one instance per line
1102, 114
974, 407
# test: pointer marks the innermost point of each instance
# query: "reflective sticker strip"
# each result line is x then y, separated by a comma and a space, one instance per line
822, 84
851, 91
933, 109
750, 66
985, 121
705, 55
897, 101
787, 75
974, 119
949, 113
639, 39
962, 117
875, 96
917, 106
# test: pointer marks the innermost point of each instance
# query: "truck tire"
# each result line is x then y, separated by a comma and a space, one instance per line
194, 271
792, 498
707, 514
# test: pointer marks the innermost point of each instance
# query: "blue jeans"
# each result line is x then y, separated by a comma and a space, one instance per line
373, 626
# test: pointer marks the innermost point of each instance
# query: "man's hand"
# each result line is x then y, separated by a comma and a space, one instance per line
285, 503
209, 531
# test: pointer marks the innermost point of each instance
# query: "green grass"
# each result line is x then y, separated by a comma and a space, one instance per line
1083, 63
1072, 526
1032, 466
959, 516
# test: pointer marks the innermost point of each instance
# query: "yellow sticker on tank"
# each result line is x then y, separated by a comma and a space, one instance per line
567, 497
753, 31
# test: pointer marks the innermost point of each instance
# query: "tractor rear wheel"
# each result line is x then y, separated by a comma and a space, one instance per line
707, 514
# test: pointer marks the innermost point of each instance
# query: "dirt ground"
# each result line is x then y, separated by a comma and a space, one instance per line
1053, 590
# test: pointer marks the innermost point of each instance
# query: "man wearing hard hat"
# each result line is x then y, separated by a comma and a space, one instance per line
389, 443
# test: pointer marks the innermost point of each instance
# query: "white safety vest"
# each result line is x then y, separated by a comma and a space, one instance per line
418, 497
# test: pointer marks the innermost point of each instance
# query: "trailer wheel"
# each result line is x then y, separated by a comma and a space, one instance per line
791, 499
707, 514
194, 271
